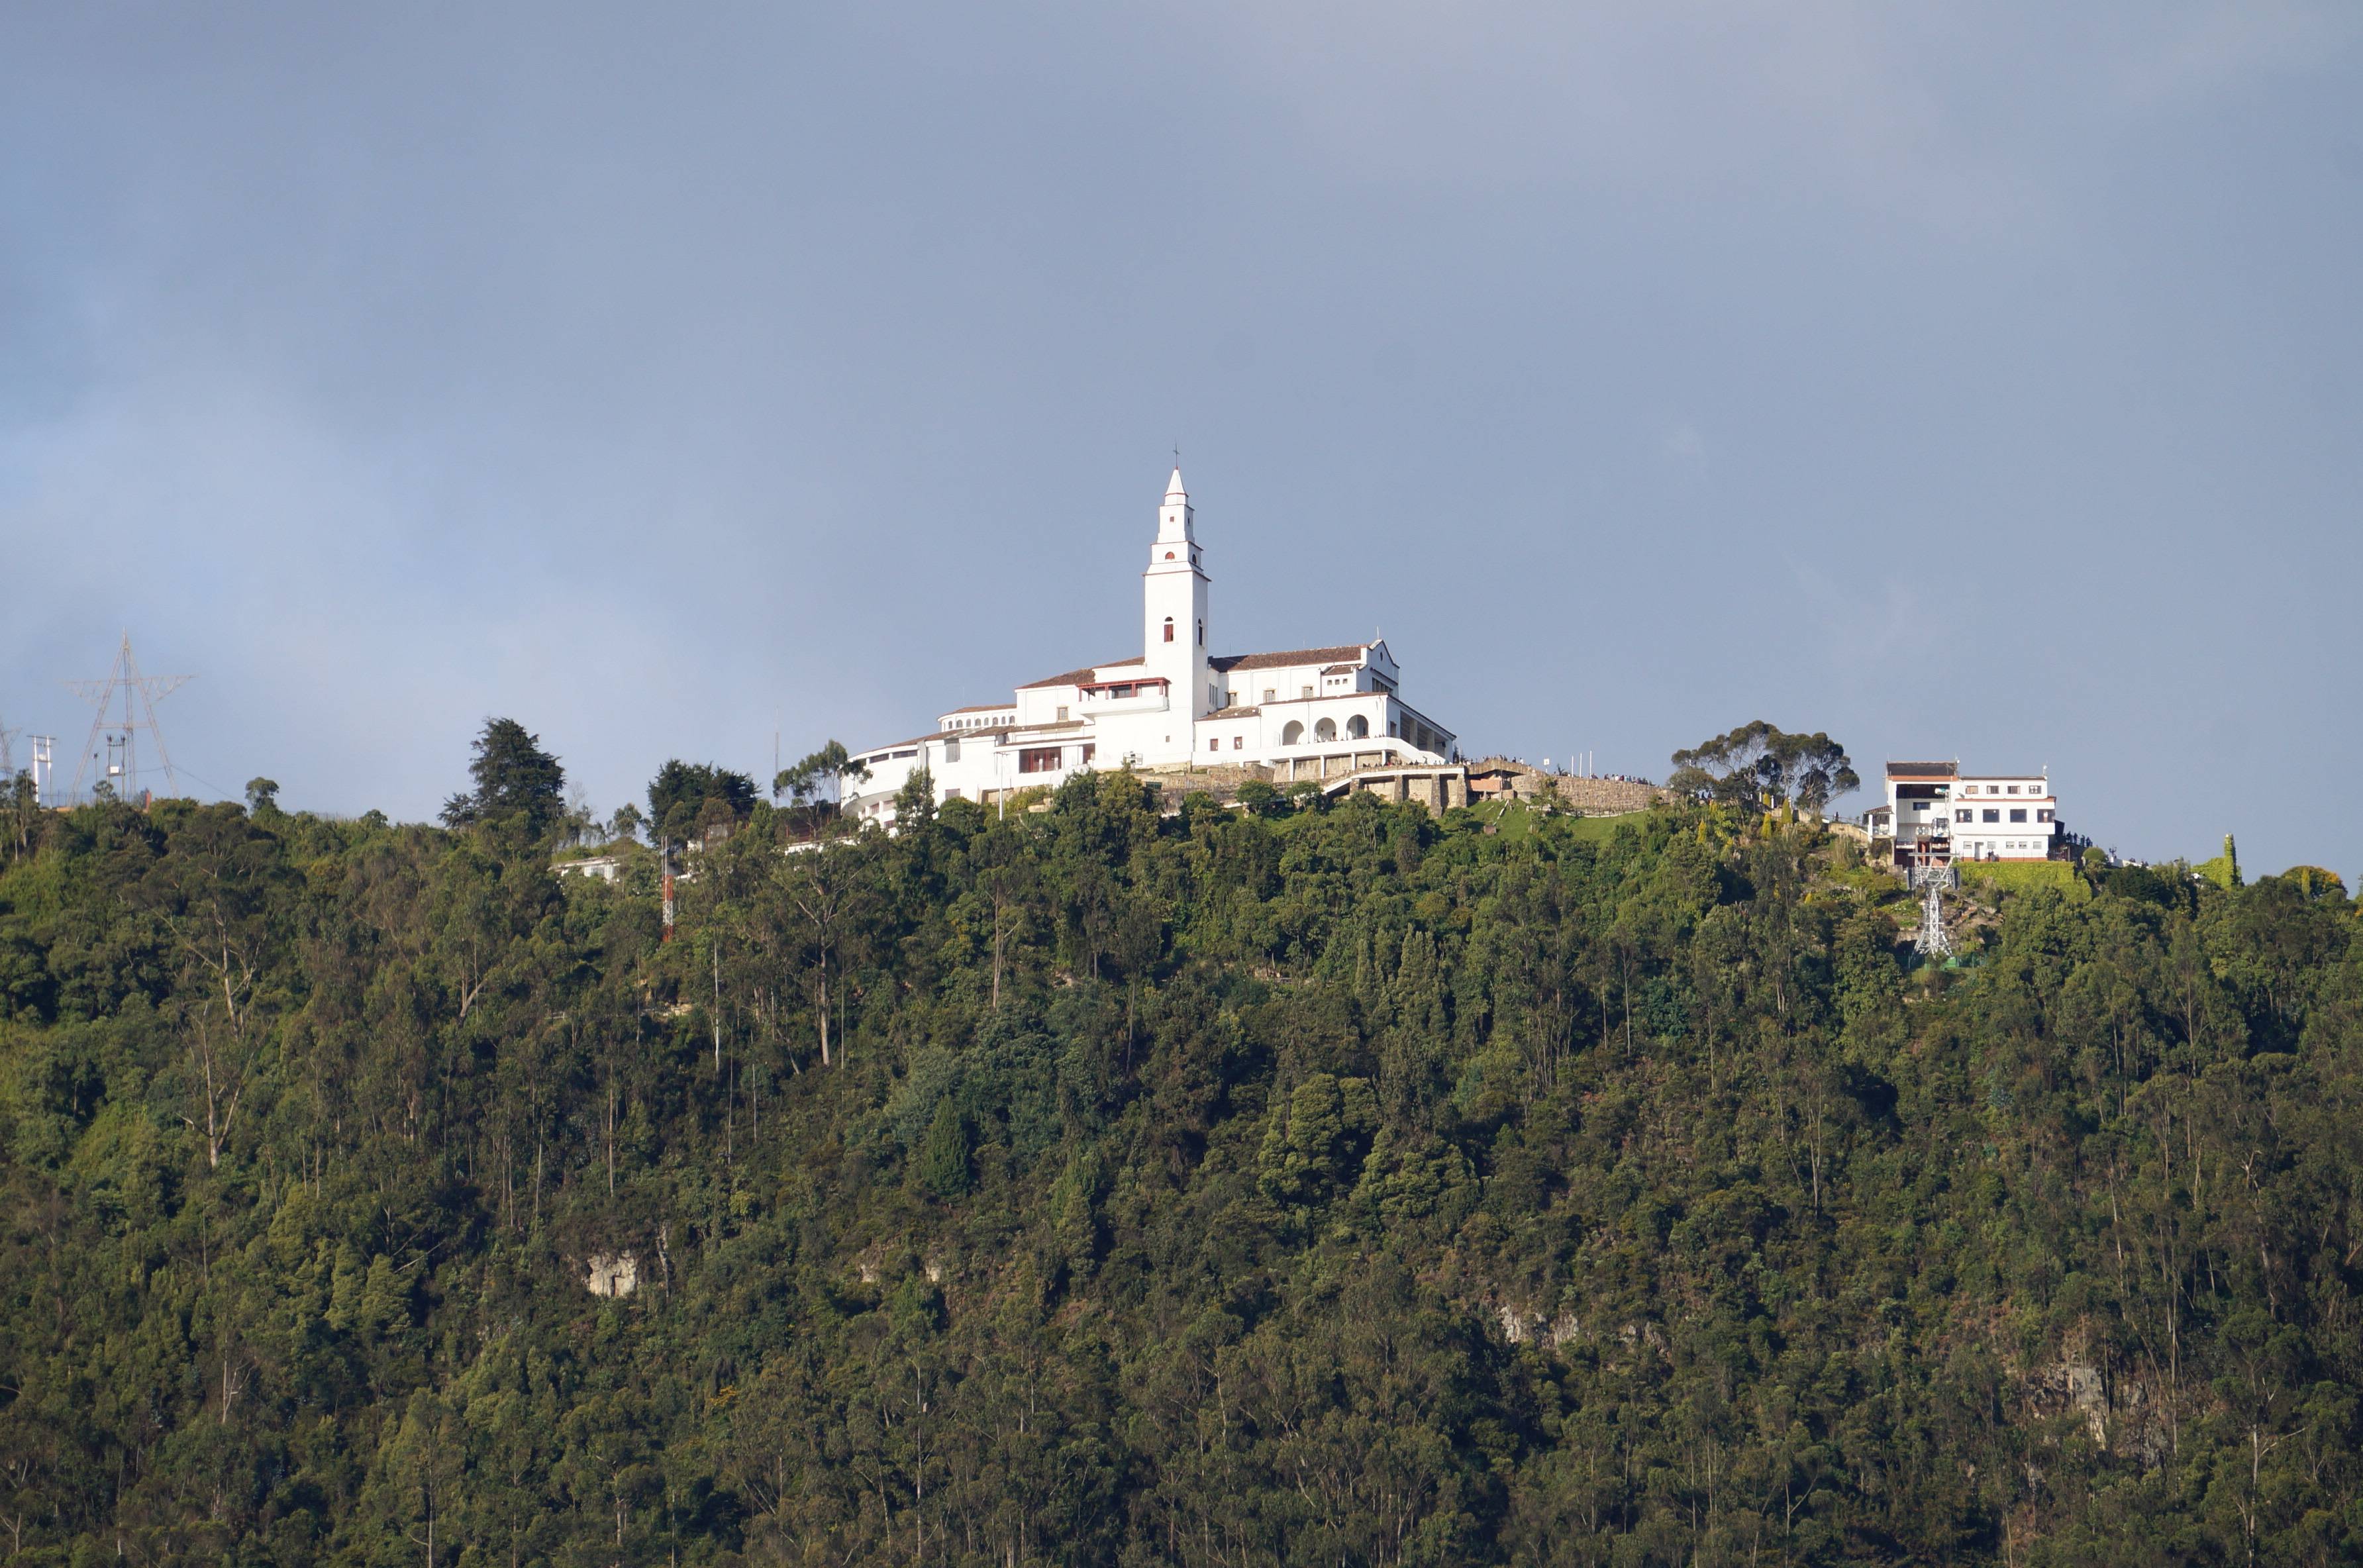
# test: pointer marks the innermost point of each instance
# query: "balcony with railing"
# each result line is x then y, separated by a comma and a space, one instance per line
1882, 823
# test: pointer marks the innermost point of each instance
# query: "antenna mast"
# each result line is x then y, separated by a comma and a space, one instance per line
120, 737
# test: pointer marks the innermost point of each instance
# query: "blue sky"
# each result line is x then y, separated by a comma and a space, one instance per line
1962, 380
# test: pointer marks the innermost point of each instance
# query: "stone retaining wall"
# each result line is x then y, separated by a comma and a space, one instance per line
1593, 797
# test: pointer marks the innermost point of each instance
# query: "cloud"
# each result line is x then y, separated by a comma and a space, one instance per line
1971, 120
645, 379
1683, 447
2191, 53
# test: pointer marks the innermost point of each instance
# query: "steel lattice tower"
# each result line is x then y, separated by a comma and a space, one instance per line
1932, 881
122, 735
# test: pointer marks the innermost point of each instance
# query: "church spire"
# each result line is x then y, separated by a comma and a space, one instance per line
1173, 601
1173, 520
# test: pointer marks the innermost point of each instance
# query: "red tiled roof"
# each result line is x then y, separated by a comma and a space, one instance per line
1350, 655
1235, 712
980, 708
1082, 676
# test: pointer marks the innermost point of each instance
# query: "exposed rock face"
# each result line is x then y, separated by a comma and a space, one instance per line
2090, 1395
613, 1274
2113, 1401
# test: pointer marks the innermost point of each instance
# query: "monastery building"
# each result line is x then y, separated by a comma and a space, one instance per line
1306, 712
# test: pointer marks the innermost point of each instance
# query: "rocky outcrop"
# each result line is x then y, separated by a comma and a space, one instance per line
612, 1273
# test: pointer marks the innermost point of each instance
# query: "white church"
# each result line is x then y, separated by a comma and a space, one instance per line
1306, 713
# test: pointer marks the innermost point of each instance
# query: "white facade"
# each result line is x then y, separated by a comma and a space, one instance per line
1934, 810
2008, 816
1174, 705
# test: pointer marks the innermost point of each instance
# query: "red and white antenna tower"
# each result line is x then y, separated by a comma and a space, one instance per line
118, 739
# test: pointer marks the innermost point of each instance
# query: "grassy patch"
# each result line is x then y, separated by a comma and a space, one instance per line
1874, 883
1516, 819
1511, 819
1600, 830
2026, 875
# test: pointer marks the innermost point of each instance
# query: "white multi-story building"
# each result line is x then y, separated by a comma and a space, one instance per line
1173, 706
1936, 812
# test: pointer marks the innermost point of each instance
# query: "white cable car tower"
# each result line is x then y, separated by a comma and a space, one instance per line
1932, 881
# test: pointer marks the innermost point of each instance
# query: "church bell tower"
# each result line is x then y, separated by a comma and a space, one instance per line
1173, 598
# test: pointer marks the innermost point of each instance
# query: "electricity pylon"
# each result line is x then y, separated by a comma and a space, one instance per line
122, 757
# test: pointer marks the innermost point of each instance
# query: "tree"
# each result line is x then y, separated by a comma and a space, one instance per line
687, 799
579, 821
823, 889
20, 809
2224, 869
1755, 765
518, 783
943, 1163
262, 796
816, 785
2315, 881
1354, 1186
915, 802
1260, 798
215, 895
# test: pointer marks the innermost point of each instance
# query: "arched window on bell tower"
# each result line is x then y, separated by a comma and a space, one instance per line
1202, 634
1168, 628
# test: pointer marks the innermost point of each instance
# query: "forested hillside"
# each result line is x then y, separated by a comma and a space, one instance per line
1333, 1185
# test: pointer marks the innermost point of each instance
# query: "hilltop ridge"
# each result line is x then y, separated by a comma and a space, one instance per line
1326, 1181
